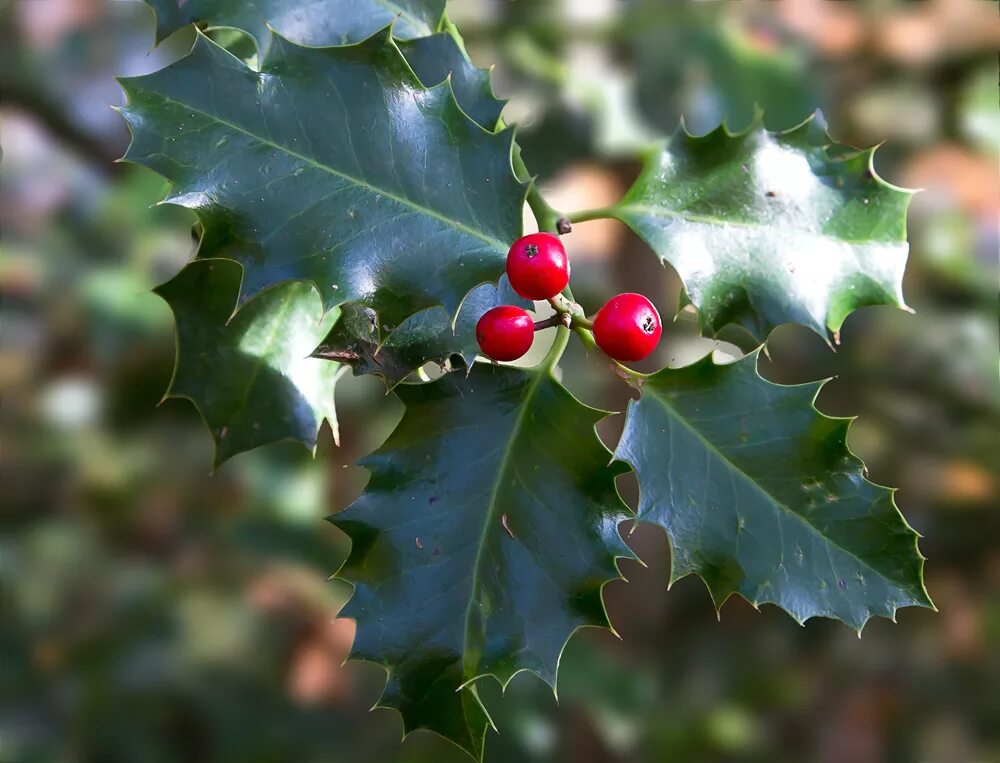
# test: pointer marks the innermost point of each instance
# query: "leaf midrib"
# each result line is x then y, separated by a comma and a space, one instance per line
748, 478
333, 171
622, 209
491, 513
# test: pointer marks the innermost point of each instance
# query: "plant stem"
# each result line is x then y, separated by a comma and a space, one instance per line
587, 337
625, 369
556, 350
564, 304
580, 323
601, 213
547, 218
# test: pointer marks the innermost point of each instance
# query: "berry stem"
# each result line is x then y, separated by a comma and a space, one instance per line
579, 321
569, 307
552, 320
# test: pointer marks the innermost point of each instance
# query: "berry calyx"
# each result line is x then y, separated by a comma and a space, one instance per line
537, 266
505, 332
627, 327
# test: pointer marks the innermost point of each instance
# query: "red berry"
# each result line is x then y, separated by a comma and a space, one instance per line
627, 327
505, 332
537, 266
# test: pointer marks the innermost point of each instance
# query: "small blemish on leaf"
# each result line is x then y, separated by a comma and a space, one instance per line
503, 521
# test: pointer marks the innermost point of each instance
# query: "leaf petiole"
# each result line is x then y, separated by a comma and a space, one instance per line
548, 219
585, 215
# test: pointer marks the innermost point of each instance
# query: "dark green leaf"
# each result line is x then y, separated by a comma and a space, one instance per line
768, 228
250, 375
332, 166
483, 540
317, 22
436, 58
760, 496
425, 337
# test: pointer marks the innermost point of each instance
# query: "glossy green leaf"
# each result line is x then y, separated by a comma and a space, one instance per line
768, 228
317, 22
439, 57
332, 166
760, 496
434, 57
426, 337
482, 542
249, 374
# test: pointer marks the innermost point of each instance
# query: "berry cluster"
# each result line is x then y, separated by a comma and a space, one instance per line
627, 327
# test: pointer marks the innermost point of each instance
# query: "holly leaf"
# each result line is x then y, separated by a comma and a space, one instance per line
316, 23
333, 166
434, 57
482, 542
766, 228
760, 496
250, 374
438, 57
423, 338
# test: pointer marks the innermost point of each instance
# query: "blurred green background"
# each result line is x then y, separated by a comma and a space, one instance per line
152, 612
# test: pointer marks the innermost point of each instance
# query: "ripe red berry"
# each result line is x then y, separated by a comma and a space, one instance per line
505, 332
537, 266
627, 327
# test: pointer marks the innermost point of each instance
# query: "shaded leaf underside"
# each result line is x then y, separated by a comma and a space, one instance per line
768, 228
760, 496
482, 541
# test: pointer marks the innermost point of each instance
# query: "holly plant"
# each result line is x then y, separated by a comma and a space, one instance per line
359, 201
